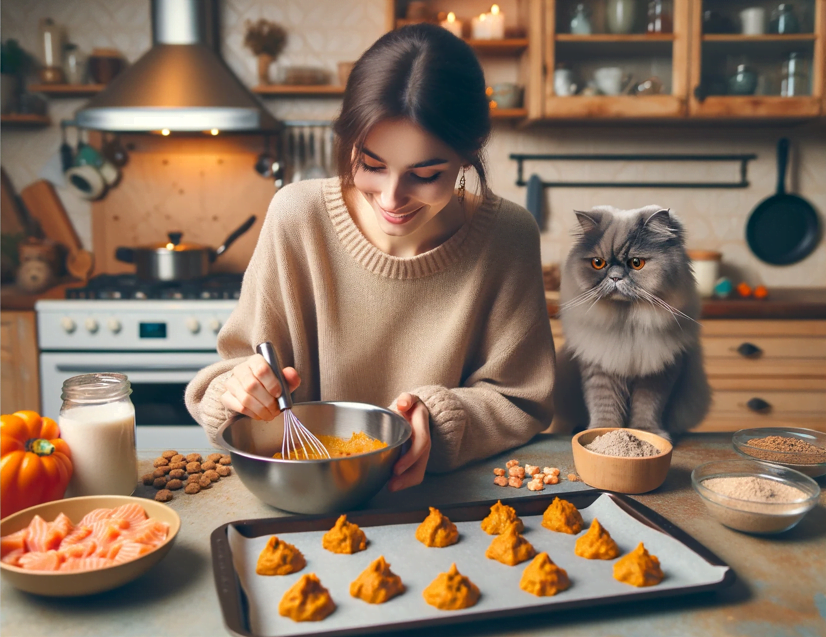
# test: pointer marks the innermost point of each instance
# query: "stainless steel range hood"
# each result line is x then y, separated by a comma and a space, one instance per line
180, 84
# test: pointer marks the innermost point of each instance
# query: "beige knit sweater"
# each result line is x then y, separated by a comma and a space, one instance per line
463, 326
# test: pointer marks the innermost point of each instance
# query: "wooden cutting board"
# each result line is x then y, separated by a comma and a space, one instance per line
44, 205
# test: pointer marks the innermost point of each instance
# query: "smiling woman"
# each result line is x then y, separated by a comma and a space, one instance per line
387, 285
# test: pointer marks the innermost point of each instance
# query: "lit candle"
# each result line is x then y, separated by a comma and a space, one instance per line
480, 28
452, 24
496, 23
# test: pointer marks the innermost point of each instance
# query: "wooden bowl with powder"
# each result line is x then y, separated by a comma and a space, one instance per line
621, 460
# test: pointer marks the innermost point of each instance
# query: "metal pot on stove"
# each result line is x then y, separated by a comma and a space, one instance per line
173, 260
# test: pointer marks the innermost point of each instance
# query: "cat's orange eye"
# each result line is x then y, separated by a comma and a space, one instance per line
636, 263
598, 263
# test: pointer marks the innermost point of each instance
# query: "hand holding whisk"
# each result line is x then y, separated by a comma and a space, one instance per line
295, 434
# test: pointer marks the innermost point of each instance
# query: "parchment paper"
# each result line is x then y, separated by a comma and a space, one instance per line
418, 565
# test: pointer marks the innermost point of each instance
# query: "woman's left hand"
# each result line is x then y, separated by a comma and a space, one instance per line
409, 469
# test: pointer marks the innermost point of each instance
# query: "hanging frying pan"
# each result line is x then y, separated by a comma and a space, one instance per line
783, 228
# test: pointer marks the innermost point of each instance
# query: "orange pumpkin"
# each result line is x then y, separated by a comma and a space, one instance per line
35, 464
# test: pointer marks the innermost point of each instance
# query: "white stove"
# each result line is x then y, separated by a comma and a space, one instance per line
159, 344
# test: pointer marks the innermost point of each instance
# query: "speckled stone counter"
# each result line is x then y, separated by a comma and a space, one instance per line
780, 588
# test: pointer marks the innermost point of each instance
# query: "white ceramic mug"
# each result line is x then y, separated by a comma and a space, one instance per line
753, 21
609, 80
564, 82
706, 266
86, 182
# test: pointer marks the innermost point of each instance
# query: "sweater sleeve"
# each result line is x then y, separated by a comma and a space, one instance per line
504, 403
258, 317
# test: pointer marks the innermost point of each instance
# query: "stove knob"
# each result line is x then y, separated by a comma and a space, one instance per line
215, 325
68, 325
91, 325
115, 325
193, 325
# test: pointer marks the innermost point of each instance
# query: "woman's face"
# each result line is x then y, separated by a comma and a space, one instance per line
406, 175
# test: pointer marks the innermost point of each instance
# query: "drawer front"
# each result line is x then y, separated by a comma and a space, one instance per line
762, 347
768, 405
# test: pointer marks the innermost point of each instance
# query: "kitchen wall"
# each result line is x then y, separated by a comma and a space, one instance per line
323, 32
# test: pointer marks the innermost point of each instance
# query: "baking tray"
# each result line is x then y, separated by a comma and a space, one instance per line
689, 566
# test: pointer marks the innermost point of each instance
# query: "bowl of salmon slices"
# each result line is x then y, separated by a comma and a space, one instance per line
82, 546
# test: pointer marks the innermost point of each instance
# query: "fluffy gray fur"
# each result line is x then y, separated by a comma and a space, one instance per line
632, 355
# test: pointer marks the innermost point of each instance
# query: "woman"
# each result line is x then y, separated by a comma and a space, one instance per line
387, 286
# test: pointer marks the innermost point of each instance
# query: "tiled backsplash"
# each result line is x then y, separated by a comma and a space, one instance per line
324, 32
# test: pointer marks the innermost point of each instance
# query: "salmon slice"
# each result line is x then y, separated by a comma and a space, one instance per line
78, 534
132, 512
86, 564
13, 542
150, 532
107, 531
38, 536
80, 549
41, 560
95, 516
131, 551
13, 557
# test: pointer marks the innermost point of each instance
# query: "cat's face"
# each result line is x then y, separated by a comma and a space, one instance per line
627, 255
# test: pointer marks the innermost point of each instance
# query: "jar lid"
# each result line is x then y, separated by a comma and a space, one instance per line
96, 388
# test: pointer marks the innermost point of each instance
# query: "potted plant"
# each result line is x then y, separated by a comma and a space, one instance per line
13, 62
266, 40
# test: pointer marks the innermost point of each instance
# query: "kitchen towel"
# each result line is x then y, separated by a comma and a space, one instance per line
535, 194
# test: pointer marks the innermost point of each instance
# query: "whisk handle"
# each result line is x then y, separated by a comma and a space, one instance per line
266, 350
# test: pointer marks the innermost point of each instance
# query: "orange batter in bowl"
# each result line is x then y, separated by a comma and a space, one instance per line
358, 443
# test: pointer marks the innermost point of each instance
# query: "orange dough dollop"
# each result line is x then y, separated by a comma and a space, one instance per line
562, 516
510, 548
451, 591
306, 600
436, 530
638, 568
543, 578
596, 544
377, 583
344, 537
279, 558
500, 516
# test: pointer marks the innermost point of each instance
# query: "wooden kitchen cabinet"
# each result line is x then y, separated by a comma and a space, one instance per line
19, 362
763, 373
714, 57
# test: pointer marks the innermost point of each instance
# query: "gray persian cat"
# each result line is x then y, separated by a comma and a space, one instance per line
629, 306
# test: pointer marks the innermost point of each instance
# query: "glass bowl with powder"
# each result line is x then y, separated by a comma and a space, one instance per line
753, 496
803, 450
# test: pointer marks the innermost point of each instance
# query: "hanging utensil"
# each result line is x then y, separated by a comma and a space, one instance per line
67, 157
264, 162
314, 169
783, 228
300, 154
114, 151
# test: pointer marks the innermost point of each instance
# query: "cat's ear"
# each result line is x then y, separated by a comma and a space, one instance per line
588, 221
662, 223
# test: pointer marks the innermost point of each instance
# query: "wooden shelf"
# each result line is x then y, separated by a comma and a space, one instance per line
578, 107
512, 46
67, 90
756, 107
736, 37
508, 113
610, 37
293, 90
20, 120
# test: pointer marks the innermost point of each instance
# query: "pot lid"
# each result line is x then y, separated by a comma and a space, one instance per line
173, 244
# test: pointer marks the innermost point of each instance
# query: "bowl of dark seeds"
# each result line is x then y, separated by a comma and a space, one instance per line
803, 450
621, 460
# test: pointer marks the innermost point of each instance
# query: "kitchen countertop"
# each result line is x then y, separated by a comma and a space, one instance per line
782, 303
780, 588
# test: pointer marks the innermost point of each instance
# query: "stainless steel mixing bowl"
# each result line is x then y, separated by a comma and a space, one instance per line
316, 486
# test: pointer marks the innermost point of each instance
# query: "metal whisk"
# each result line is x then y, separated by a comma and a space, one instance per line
295, 434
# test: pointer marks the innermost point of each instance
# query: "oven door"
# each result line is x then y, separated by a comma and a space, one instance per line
158, 380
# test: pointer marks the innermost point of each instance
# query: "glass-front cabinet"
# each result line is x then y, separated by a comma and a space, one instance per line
616, 58
757, 59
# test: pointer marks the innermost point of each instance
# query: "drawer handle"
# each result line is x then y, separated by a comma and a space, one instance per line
749, 350
758, 405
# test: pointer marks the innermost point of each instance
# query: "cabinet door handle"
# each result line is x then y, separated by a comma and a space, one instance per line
749, 350
759, 406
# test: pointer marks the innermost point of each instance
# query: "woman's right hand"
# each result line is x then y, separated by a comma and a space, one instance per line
253, 389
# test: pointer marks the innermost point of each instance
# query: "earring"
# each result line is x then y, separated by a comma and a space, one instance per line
462, 186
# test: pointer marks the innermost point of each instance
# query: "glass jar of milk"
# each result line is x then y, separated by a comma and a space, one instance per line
97, 421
